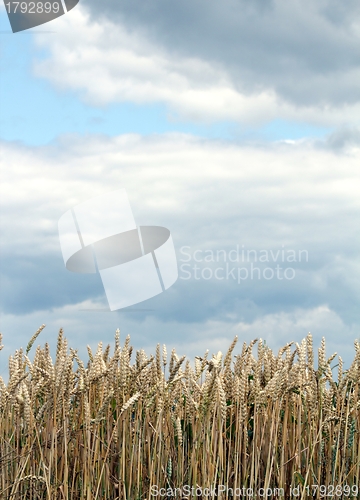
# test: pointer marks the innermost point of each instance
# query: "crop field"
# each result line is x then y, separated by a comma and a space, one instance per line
125, 425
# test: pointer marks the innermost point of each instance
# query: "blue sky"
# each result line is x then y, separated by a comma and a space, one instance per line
252, 141
35, 113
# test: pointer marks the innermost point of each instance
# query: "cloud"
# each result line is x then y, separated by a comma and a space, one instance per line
344, 138
212, 196
283, 61
294, 191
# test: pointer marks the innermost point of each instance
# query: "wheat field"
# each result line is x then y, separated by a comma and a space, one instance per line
123, 425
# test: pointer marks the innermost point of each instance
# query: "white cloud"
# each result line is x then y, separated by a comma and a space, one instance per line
296, 193
107, 62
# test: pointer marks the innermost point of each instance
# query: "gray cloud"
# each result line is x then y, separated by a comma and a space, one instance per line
308, 52
343, 139
212, 196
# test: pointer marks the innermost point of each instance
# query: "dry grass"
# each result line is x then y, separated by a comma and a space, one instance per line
113, 428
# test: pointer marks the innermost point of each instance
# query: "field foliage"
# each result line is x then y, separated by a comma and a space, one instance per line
121, 423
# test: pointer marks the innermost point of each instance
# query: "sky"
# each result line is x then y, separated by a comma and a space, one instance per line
234, 124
